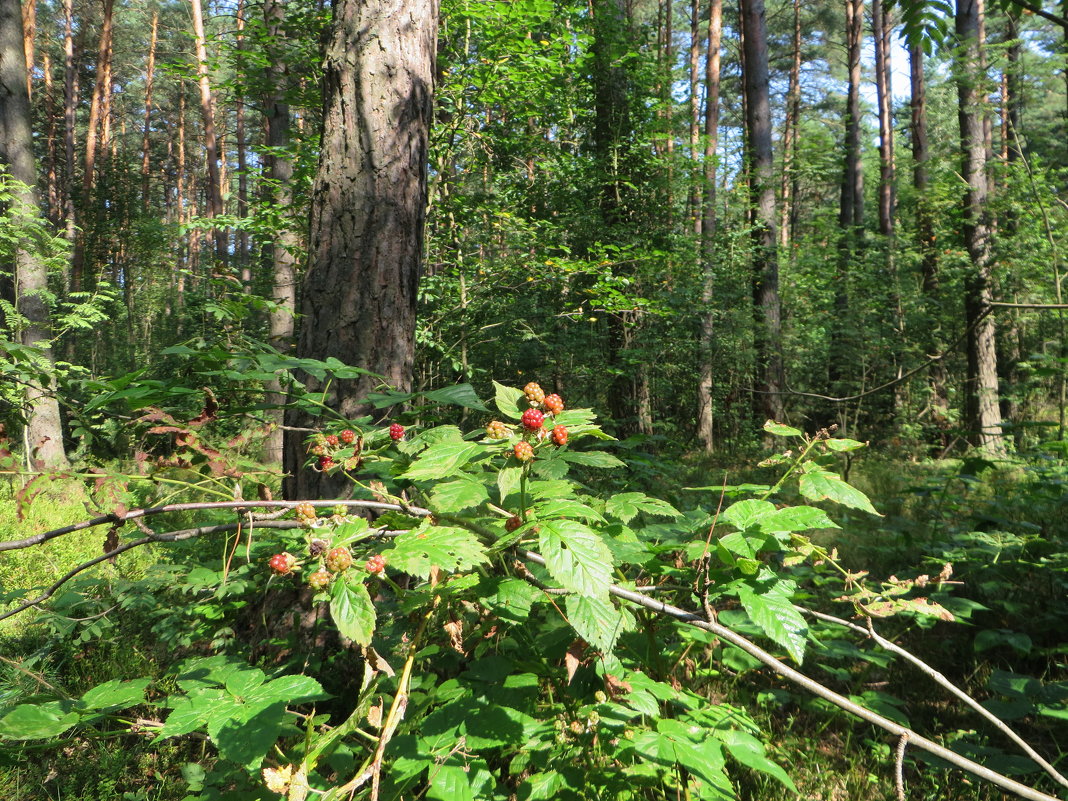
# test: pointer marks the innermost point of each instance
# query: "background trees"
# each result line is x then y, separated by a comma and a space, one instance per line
589, 214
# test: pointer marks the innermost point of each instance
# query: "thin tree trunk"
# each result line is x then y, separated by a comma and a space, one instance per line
69, 112
368, 208
150, 71
92, 139
694, 198
55, 203
706, 381
983, 410
211, 145
882, 29
244, 269
286, 242
789, 135
762, 200
29, 31
44, 430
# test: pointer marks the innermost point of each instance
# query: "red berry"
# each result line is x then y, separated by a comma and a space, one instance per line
376, 564
533, 392
332, 440
326, 462
348, 436
497, 430
554, 403
283, 563
396, 431
513, 523
560, 435
533, 419
338, 560
319, 580
524, 451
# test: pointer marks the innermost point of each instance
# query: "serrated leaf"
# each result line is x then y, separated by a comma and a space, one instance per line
626, 506
796, 518
844, 445
567, 507
777, 618
749, 751
116, 694
441, 460
352, 611
449, 783
291, 689
455, 496
598, 621
243, 682
781, 430
822, 485
459, 395
447, 548
592, 459
508, 479
576, 557
37, 721
744, 514
508, 400
509, 598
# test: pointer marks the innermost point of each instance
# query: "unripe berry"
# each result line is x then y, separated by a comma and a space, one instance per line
317, 450
533, 419
396, 431
560, 435
513, 523
554, 403
326, 462
283, 563
524, 451
348, 436
332, 440
338, 560
306, 511
341, 510
376, 564
497, 430
319, 580
534, 393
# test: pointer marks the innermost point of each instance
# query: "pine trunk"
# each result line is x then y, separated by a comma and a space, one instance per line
368, 207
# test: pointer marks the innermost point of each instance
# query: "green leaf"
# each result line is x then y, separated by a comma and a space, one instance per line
748, 750
509, 401
626, 506
823, 485
458, 395
116, 694
508, 481
244, 682
796, 518
744, 514
576, 557
441, 460
780, 430
592, 459
448, 548
567, 507
352, 611
449, 783
843, 445
509, 598
37, 721
598, 620
777, 618
292, 689
455, 496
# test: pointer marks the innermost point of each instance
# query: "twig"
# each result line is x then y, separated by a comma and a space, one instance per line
899, 767
945, 683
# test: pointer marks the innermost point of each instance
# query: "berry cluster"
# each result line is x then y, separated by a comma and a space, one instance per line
336, 450
532, 429
329, 562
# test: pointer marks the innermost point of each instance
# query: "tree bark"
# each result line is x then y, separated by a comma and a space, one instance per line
368, 207
694, 197
983, 410
44, 431
789, 134
706, 380
242, 250
211, 144
150, 71
29, 32
881, 30
286, 242
762, 201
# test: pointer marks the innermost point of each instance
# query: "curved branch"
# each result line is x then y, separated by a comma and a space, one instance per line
814, 687
134, 514
945, 683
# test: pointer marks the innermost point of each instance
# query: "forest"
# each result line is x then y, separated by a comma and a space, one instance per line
533, 399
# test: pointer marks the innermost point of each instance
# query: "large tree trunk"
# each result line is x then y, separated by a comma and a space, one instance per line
983, 410
368, 208
44, 432
706, 382
286, 242
762, 200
